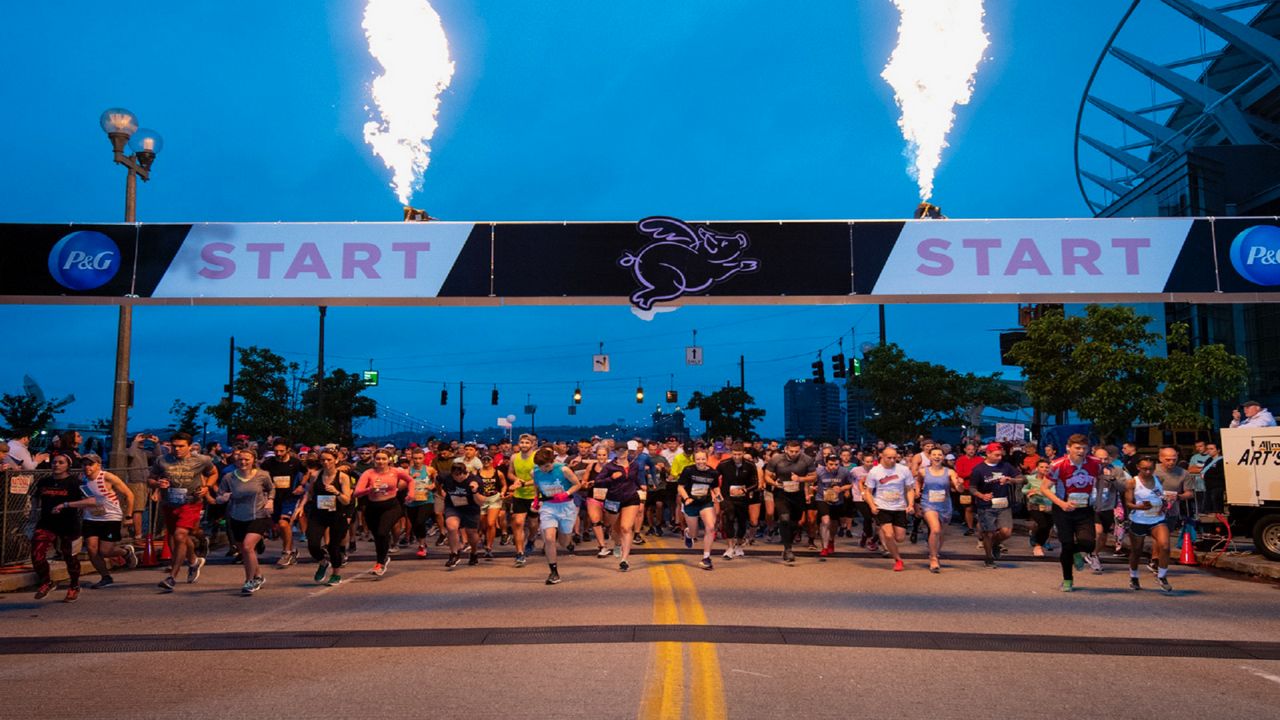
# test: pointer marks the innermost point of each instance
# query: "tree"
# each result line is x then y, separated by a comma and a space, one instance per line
184, 416
264, 401
344, 401
1192, 378
727, 412
25, 414
912, 396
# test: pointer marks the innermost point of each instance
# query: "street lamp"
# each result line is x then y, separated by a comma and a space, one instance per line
121, 127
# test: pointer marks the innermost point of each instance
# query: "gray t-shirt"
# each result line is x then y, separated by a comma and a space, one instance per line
1176, 480
1110, 488
185, 477
248, 497
785, 470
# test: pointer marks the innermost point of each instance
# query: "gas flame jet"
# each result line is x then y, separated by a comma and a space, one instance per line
940, 43
408, 40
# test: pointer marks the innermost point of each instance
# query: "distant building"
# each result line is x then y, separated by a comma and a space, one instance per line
812, 410
858, 409
670, 424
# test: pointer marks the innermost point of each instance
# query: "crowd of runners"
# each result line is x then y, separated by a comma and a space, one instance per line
463, 503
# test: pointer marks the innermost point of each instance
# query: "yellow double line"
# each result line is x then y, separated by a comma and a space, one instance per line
675, 600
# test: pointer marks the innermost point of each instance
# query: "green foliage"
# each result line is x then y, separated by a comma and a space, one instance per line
1193, 377
25, 415
727, 412
344, 401
184, 416
913, 396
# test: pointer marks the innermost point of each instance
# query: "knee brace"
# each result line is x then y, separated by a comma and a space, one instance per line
598, 523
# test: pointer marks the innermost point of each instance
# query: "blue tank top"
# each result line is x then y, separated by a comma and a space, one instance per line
936, 491
552, 482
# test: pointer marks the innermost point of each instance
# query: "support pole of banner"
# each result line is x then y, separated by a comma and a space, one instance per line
882, 333
324, 309
462, 412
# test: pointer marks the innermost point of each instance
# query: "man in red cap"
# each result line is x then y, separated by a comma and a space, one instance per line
991, 484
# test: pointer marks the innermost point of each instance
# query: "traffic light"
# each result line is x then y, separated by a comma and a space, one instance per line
837, 366
639, 394
856, 366
493, 397
444, 397
819, 371
577, 396
673, 396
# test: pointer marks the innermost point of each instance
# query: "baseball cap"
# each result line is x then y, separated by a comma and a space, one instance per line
633, 445
994, 446
90, 459
1249, 403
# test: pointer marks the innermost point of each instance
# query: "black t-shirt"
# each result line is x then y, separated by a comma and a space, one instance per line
699, 483
279, 469
732, 474
489, 486
461, 488
52, 492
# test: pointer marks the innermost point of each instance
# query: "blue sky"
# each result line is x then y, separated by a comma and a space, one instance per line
570, 110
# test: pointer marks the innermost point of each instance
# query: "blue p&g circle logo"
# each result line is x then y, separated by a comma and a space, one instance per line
84, 260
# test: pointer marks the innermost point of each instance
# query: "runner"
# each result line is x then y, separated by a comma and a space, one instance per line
788, 474
699, 491
556, 484
1145, 499
621, 503
1180, 510
890, 491
103, 520
991, 485
860, 506
831, 484
937, 483
286, 472
1039, 507
1106, 495
740, 481
379, 487
523, 493
1069, 485
964, 467
462, 512
420, 500
329, 493
248, 493
57, 501
493, 485
184, 480
659, 494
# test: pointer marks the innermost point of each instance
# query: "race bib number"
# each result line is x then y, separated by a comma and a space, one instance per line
599, 493
937, 496
460, 500
282, 482
999, 503
830, 495
699, 490
177, 496
327, 502
550, 489
644, 494
890, 496
966, 499
612, 505
420, 495
737, 490
791, 486
1079, 499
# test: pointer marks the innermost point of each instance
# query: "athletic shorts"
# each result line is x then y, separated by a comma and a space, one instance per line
897, 518
237, 529
632, 502
694, 509
562, 516
182, 516
284, 509
467, 519
991, 519
1142, 529
825, 509
491, 502
1105, 518
521, 506
108, 530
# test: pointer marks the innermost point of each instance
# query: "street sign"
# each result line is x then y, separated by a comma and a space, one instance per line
370, 377
600, 363
693, 355
503, 422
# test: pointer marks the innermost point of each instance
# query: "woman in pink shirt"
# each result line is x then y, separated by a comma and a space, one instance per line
379, 487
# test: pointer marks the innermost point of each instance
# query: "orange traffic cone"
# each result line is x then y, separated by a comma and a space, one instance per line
1188, 549
165, 555
148, 552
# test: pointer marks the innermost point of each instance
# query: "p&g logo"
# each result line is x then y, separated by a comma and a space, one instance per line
1255, 253
84, 260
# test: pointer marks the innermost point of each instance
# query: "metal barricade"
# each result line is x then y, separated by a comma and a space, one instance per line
16, 521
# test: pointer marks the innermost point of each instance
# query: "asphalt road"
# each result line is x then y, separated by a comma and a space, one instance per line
753, 638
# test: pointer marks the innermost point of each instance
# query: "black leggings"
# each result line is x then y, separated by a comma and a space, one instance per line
417, 515
787, 511
1043, 524
380, 518
1076, 533
336, 523
868, 525
737, 520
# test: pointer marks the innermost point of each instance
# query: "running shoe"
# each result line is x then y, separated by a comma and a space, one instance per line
575, 539
422, 551
569, 548
989, 564
528, 547
393, 550
824, 552
624, 566
167, 584
788, 556
873, 545
1153, 567
915, 536
1068, 586
728, 554
603, 552
812, 545
505, 539
106, 582
404, 542
45, 588
935, 569
351, 546
73, 594
284, 561
488, 554
1134, 584
553, 578
248, 588
453, 561
334, 580
1096, 563
130, 557
1078, 558
193, 572
738, 552
617, 551
379, 569
862, 542
657, 531
322, 571
1037, 551
440, 540
688, 541
997, 551
202, 546
1164, 585
898, 566
520, 560
968, 532
706, 563
636, 539
474, 559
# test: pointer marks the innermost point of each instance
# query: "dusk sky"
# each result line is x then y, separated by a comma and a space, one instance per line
559, 110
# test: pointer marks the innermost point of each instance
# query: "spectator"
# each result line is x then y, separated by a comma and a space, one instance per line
1254, 416
19, 453
1215, 480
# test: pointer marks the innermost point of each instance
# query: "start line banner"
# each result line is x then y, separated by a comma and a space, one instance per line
656, 261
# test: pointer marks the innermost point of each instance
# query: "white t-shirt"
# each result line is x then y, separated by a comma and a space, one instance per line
889, 486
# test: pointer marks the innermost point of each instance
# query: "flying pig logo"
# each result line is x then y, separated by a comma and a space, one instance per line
683, 260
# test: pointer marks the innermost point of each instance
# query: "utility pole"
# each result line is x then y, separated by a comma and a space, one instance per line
882, 335
461, 411
320, 366
742, 372
231, 392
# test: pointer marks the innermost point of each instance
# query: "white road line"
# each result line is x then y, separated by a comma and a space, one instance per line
1264, 675
748, 672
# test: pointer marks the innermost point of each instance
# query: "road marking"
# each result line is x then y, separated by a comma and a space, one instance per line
708, 688
748, 672
663, 696
1261, 674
